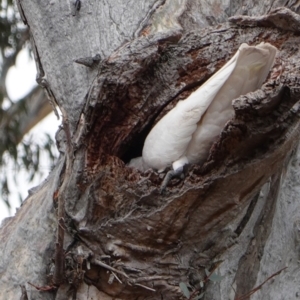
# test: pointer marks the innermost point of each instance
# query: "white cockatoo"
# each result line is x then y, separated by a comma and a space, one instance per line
185, 134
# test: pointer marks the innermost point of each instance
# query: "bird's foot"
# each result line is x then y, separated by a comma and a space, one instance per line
179, 173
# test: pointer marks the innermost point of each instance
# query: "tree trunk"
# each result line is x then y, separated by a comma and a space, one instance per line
235, 216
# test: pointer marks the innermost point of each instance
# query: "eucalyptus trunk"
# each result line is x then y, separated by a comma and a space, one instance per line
97, 229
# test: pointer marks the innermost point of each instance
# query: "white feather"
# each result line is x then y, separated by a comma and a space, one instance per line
186, 133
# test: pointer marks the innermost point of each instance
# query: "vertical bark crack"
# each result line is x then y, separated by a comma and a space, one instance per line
249, 264
247, 216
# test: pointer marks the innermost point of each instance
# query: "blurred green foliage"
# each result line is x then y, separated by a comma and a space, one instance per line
15, 153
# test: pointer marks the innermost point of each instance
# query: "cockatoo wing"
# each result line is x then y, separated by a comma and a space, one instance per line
170, 137
252, 67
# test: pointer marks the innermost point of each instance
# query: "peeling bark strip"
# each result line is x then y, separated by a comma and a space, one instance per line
281, 18
21, 12
59, 271
40, 77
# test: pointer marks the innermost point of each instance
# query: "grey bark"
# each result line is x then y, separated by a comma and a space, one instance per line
238, 214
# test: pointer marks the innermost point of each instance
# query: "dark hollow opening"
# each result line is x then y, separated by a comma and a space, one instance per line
134, 148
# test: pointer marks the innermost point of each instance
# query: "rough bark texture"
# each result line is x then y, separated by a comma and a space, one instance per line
235, 215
